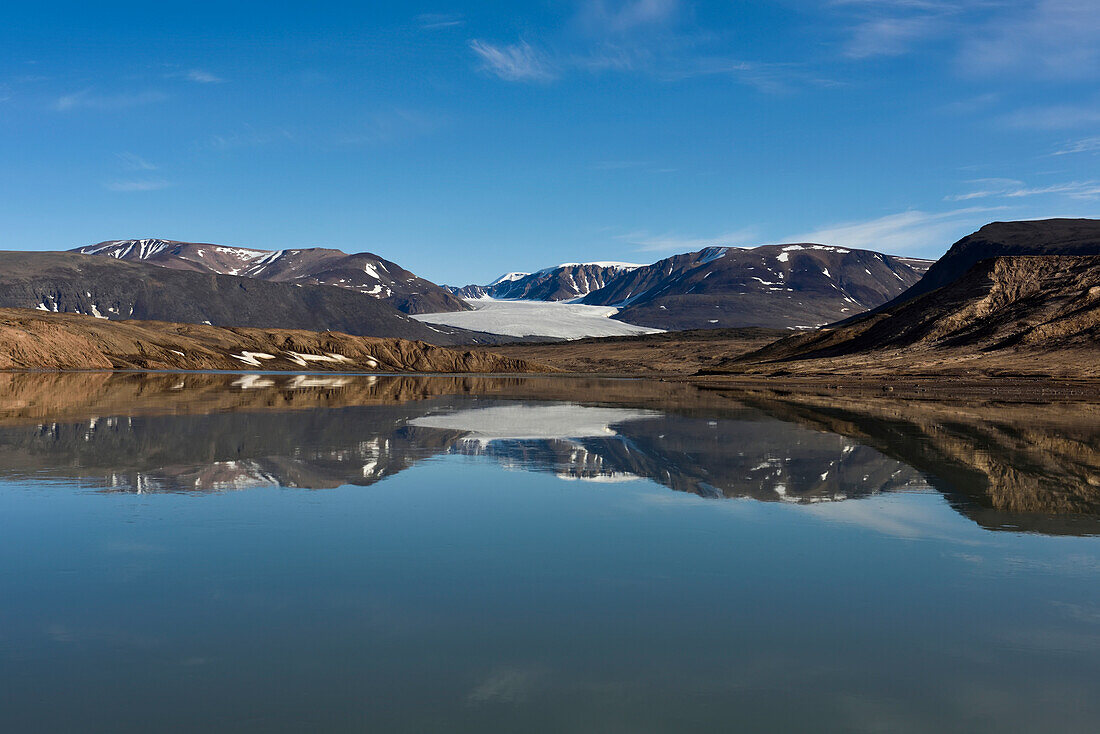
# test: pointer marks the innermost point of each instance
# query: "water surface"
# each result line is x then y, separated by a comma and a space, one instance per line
277, 553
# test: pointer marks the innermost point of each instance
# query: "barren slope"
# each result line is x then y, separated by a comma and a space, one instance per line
34, 340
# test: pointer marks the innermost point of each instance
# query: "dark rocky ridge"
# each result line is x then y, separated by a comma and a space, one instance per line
363, 272
997, 239
774, 286
117, 290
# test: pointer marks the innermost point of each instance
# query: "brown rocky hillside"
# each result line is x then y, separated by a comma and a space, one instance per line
35, 340
1018, 314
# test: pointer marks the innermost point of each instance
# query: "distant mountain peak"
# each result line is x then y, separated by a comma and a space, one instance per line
508, 278
797, 286
559, 283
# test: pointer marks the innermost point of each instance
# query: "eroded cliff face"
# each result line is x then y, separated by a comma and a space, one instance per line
1020, 314
29, 340
1004, 239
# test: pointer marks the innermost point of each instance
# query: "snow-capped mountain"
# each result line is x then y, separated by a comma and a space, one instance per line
779, 286
560, 283
363, 272
508, 278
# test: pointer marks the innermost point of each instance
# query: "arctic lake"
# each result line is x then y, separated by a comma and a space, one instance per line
319, 553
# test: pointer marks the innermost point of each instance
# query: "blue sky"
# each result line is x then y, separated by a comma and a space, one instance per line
463, 140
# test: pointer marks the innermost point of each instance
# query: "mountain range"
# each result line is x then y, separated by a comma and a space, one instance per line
363, 272
802, 286
777, 286
774, 286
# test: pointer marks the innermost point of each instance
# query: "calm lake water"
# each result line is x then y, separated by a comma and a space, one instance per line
273, 553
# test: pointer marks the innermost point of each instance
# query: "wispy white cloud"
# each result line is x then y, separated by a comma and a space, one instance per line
1054, 117
1054, 39
391, 125
247, 137
1049, 39
436, 21
522, 62
986, 187
203, 77
972, 105
137, 185
1012, 189
637, 36
771, 78
891, 36
89, 99
909, 232
135, 163
671, 242
896, 27
611, 57
626, 16
517, 62
618, 165
1085, 145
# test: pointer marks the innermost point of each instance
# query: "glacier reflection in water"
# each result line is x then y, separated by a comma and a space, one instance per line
716, 559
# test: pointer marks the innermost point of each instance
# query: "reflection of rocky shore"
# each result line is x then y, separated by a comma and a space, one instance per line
1009, 466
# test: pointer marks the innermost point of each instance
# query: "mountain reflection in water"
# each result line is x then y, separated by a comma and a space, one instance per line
1032, 467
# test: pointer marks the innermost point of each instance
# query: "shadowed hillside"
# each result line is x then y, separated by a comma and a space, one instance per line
1023, 315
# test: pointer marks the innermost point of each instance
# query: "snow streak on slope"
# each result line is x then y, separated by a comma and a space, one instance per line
537, 318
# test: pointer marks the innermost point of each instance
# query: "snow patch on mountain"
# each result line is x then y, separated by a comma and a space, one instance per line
599, 264
508, 278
